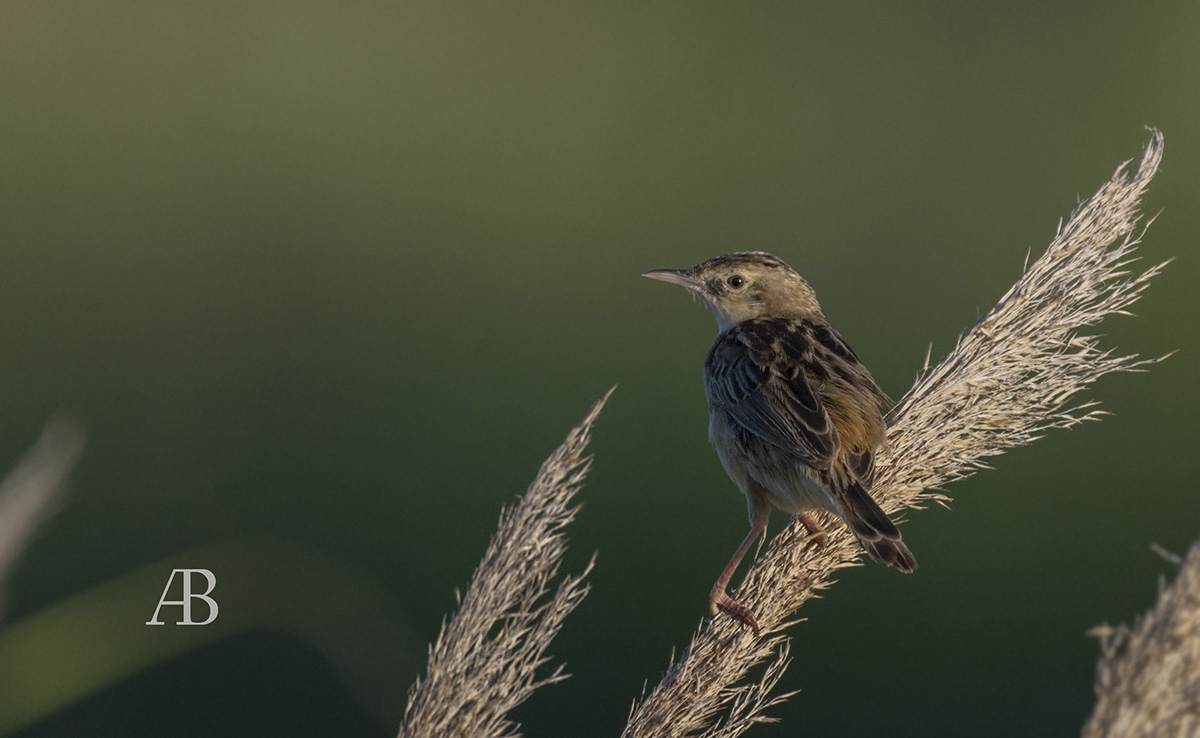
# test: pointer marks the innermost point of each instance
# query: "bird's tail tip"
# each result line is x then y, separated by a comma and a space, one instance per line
874, 530
892, 552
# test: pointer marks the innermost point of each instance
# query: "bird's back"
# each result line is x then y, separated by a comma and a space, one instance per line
796, 384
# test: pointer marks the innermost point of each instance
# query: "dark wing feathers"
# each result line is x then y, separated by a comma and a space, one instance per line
746, 376
862, 466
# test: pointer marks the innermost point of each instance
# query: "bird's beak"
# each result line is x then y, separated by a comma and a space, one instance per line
681, 277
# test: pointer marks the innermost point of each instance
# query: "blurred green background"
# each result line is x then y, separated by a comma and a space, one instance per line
327, 281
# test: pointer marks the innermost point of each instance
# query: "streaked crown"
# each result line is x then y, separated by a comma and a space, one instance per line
746, 285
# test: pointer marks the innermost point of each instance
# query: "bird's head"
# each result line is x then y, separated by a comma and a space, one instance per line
744, 286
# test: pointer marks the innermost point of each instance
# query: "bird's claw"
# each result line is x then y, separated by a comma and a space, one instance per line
740, 612
816, 534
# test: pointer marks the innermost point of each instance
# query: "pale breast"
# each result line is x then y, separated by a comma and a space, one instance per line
791, 486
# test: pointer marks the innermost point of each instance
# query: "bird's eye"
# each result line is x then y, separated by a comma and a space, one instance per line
736, 281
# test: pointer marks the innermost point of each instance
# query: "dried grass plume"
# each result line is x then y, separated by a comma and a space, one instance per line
485, 660
27, 493
1148, 679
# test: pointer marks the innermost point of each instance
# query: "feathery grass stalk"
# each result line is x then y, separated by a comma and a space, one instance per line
1148, 679
27, 492
485, 661
1009, 379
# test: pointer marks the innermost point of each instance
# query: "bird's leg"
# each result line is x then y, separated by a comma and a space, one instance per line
718, 598
759, 513
816, 532
761, 540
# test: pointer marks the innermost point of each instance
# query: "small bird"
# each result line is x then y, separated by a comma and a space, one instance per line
793, 414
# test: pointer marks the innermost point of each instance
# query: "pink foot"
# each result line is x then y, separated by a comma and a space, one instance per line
741, 613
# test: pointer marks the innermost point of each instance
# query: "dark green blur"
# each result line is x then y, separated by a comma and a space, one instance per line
334, 278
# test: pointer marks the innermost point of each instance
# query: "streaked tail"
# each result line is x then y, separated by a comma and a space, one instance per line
872, 527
